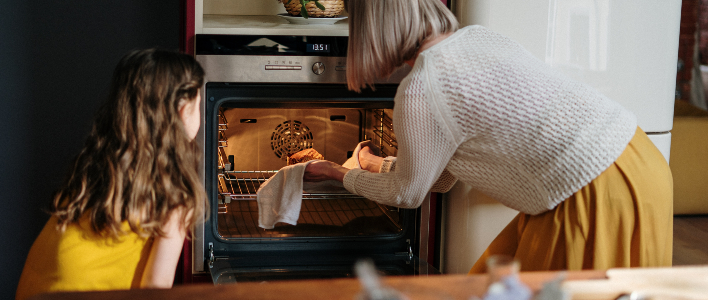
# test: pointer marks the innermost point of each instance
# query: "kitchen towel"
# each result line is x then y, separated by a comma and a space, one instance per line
280, 197
353, 162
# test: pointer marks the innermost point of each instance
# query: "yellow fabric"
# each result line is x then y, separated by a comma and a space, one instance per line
80, 260
689, 159
623, 218
689, 164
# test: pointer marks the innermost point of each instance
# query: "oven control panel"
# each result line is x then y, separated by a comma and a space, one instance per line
292, 69
277, 59
318, 67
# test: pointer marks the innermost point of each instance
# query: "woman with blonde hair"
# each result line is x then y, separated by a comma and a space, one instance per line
592, 190
121, 217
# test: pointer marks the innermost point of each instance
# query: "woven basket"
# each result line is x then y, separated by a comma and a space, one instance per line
333, 8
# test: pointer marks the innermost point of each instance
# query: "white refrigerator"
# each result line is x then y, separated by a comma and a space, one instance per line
627, 50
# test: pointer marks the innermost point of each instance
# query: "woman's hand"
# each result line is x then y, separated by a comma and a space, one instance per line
369, 158
322, 170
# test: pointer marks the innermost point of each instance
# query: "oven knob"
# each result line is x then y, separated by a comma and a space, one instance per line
318, 68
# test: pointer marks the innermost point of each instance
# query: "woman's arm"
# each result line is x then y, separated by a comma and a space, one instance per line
426, 143
371, 162
164, 254
424, 150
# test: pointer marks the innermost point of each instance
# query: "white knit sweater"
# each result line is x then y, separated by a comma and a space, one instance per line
479, 108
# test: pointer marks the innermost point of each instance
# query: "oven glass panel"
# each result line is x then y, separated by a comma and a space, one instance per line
253, 144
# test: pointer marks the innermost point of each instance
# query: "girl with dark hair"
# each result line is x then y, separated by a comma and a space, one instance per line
120, 219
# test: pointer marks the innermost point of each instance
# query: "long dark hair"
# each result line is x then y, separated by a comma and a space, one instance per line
138, 164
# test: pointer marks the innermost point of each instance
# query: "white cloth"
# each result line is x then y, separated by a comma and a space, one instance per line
280, 197
479, 108
353, 162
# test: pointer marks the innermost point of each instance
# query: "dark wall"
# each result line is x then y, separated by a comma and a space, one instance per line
56, 59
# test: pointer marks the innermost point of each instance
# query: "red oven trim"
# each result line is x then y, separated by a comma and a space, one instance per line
432, 232
183, 273
186, 26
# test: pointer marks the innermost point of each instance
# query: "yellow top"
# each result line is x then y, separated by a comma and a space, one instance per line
81, 260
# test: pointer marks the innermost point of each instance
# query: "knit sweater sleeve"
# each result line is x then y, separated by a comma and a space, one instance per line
444, 183
424, 149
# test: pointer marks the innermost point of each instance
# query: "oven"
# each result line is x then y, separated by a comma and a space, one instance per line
269, 96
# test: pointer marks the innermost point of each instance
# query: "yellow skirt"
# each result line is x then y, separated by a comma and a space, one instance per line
623, 218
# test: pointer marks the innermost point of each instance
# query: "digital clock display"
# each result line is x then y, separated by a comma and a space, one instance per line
318, 48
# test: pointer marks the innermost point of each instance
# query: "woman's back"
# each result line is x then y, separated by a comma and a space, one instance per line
80, 260
527, 135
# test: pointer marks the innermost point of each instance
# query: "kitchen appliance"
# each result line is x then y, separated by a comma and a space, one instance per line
626, 50
270, 96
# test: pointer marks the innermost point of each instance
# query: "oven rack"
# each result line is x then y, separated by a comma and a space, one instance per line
386, 123
385, 129
321, 214
237, 196
382, 133
243, 185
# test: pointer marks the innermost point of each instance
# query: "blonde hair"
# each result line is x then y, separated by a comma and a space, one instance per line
384, 34
138, 163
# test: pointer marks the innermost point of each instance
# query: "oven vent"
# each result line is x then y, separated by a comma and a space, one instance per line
290, 137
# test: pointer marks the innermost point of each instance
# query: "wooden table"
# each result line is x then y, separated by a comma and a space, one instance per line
460, 287
685, 282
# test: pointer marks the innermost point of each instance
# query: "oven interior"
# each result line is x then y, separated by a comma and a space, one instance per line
253, 145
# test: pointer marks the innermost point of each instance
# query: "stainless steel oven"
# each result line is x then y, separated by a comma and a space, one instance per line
269, 96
